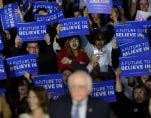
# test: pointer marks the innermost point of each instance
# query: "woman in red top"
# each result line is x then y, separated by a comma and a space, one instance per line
71, 54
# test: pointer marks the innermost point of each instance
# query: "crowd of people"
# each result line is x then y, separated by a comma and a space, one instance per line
82, 59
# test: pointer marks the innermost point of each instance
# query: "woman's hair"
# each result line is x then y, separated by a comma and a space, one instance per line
42, 96
5, 109
68, 48
142, 88
99, 36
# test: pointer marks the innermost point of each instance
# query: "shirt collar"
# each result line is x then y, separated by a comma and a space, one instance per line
84, 102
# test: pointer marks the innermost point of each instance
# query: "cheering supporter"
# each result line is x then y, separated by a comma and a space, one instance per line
38, 102
115, 15
46, 58
101, 52
143, 5
8, 41
19, 103
96, 52
135, 108
128, 84
96, 21
72, 53
5, 111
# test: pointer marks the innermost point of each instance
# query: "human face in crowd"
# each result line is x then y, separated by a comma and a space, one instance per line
7, 35
77, 14
66, 74
143, 5
74, 43
95, 17
99, 44
139, 95
148, 85
114, 14
149, 107
32, 48
42, 12
144, 78
23, 89
33, 101
79, 87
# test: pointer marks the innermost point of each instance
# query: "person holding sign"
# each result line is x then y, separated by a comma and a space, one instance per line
101, 52
46, 61
80, 104
142, 5
38, 102
135, 108
72, 53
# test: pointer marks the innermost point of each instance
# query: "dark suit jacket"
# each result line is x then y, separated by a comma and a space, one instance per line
96, 108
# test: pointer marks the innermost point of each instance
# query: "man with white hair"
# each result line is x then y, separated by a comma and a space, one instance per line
79, 104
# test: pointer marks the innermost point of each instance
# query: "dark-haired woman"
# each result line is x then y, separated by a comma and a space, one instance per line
38, 102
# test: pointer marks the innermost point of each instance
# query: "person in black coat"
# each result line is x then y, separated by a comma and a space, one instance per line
44, 50
80, 87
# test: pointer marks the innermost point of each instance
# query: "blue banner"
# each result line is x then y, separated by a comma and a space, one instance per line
1, 43
74, 26
99, 6
10, 16
144, 25
136, 65
2, 70
128, 33
3, 91
53, 83
134, 48
32, 31
20, 64
51, 7
51, 18
104, 90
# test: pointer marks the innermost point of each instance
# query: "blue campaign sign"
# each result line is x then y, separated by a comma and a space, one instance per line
3, 91
133, 48
128, 33
20, 64
1, 43
144, 25
99, 6
50, 6
136, 65
74, 26
32, 31
2, 70
10, 16
104, 90
53, 83
51, 18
